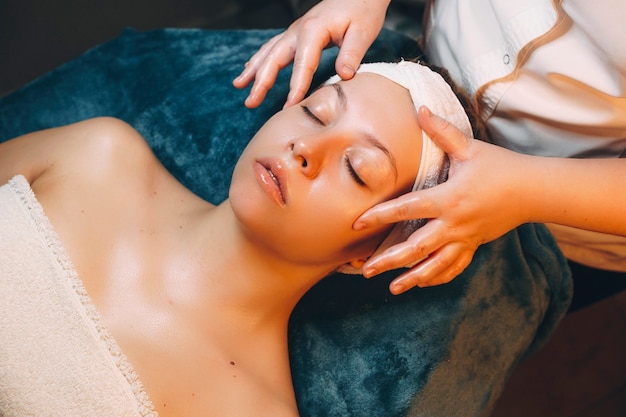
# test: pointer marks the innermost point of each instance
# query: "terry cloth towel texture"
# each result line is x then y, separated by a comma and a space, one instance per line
55, 357
355, 350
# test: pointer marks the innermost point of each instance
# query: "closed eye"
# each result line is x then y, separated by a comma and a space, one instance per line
353, 172
312, 116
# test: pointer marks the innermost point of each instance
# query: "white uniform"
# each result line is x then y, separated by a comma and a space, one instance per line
549, 78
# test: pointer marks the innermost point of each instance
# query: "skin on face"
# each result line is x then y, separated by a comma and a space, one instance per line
313, 168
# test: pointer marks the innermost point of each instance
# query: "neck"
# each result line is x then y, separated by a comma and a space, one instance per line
247, 279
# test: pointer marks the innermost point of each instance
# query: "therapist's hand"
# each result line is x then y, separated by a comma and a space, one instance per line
350, 24
482, 200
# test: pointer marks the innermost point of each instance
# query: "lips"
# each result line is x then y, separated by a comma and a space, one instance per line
271, 177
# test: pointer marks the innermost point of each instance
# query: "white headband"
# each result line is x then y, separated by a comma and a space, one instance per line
428, 88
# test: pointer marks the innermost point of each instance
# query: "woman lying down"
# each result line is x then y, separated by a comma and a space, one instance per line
124, 294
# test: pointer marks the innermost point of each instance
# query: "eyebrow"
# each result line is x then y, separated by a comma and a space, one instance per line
371, 139
378, 144
340, 95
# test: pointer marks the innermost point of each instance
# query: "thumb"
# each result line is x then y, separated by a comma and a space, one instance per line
445, 135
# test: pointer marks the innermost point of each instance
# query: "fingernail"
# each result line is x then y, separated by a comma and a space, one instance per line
427, 111
397, 288
248, 102
370, 272
348, 70
359, 226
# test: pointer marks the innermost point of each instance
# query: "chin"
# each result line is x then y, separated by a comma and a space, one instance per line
246, 204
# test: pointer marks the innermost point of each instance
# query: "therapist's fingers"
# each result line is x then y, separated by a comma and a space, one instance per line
251, 67
445, 135
439, 268
353, 47
353, 44
350, 24
308, 52
422, 243
422, 204
263, 68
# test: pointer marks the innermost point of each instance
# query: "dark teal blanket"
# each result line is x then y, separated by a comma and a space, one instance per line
356, 350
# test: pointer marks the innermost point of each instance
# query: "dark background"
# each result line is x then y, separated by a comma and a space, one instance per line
38, 35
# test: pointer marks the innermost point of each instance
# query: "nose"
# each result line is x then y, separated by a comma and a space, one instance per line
309, 152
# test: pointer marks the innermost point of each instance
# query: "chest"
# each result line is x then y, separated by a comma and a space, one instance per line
200, 363
120, 241
136, 259
210, 384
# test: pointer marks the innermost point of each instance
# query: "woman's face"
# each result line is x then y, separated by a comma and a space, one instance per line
313, 168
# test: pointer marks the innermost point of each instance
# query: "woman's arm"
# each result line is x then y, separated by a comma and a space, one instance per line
490, 191
350, 24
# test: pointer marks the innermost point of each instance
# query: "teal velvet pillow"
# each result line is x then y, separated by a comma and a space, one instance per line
355, 349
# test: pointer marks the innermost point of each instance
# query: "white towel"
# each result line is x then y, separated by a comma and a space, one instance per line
55, 357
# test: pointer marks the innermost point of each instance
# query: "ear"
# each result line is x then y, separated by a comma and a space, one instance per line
357, 263
352, 267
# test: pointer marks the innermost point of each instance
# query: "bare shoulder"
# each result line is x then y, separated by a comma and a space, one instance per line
101, 149
91, 147
98, 162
